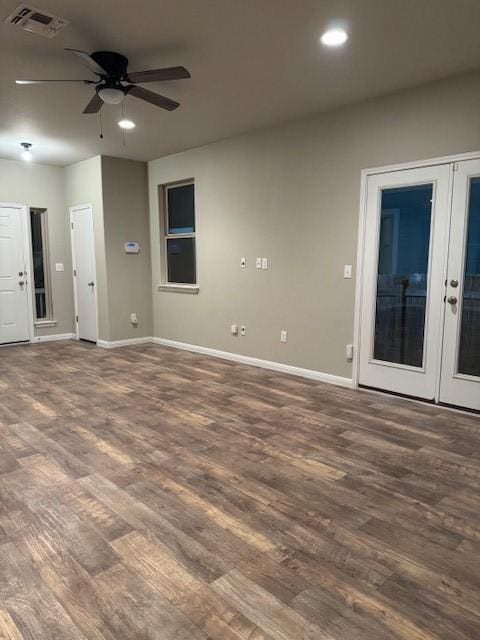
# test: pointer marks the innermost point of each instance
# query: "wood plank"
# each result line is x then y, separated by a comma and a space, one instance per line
266, 611
152, 494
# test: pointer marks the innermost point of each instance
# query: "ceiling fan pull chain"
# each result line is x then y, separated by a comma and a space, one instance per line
101, 126
123, 130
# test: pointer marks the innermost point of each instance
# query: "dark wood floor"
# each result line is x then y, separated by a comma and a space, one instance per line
147, 493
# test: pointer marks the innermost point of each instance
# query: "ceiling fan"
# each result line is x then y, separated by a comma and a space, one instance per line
115, 81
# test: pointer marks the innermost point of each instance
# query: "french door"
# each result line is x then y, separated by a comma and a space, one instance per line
420, 310
460, 375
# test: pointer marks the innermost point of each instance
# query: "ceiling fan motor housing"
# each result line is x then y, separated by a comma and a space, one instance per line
111, 90
115, 64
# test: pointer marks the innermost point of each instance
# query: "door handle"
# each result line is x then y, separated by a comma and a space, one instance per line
452, 300
91, 284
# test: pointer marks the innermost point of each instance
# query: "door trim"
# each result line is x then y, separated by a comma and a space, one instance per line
362, 219
27, 257
73, 210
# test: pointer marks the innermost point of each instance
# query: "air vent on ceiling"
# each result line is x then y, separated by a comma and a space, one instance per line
37, 21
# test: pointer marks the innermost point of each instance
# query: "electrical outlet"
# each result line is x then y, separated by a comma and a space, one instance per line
234, 329
243, 330
283, 335
349, 351
258, 263
264, 263
243, 263
133, 318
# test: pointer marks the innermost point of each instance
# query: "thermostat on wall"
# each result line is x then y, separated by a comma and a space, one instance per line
132, 247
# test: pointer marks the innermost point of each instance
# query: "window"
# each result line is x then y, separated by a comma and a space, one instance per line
41, 271
179, 234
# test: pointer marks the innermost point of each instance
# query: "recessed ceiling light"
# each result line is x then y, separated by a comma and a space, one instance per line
334, 37
26, 153
126, 124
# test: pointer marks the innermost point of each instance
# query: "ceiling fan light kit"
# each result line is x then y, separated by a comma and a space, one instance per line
111, 95
115, 82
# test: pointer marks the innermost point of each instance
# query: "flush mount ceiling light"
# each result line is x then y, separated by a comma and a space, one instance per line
334, 37
26, 153
125, 123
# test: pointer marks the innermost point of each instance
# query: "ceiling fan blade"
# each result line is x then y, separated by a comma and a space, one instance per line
87, 59
25, 82
95, 104
153, 98
159, 75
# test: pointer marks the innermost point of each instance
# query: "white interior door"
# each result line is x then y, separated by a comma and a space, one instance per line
404, 262
460, 380
14, 307
84, 279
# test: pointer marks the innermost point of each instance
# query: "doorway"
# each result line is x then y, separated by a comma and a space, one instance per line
419, 311
15, 273
84, 273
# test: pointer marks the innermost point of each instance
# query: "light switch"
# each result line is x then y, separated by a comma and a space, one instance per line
243, 263
59, 266
347, 271
264, 263
258, 263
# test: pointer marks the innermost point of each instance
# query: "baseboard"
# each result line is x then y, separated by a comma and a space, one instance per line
215, 353
113, 344
256, 362
53, 337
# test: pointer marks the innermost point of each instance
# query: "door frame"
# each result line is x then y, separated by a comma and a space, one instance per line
27, 257
362, 229
73, 210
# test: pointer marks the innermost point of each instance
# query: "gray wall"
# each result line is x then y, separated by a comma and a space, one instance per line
37, 185
291, 193
129, 276
117, 191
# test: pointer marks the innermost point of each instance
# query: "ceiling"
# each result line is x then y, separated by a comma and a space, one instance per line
253, 63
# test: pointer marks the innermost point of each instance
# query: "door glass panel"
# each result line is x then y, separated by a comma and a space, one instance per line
469, 349
402, 274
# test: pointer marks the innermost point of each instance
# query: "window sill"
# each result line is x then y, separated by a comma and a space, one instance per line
45, 323
179, 288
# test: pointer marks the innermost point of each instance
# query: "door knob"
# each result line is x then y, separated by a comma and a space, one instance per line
21, 283
452, 300
454, 283
20, 273
91, 284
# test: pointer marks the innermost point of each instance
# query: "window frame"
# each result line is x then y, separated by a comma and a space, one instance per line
166, 236
47, 279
